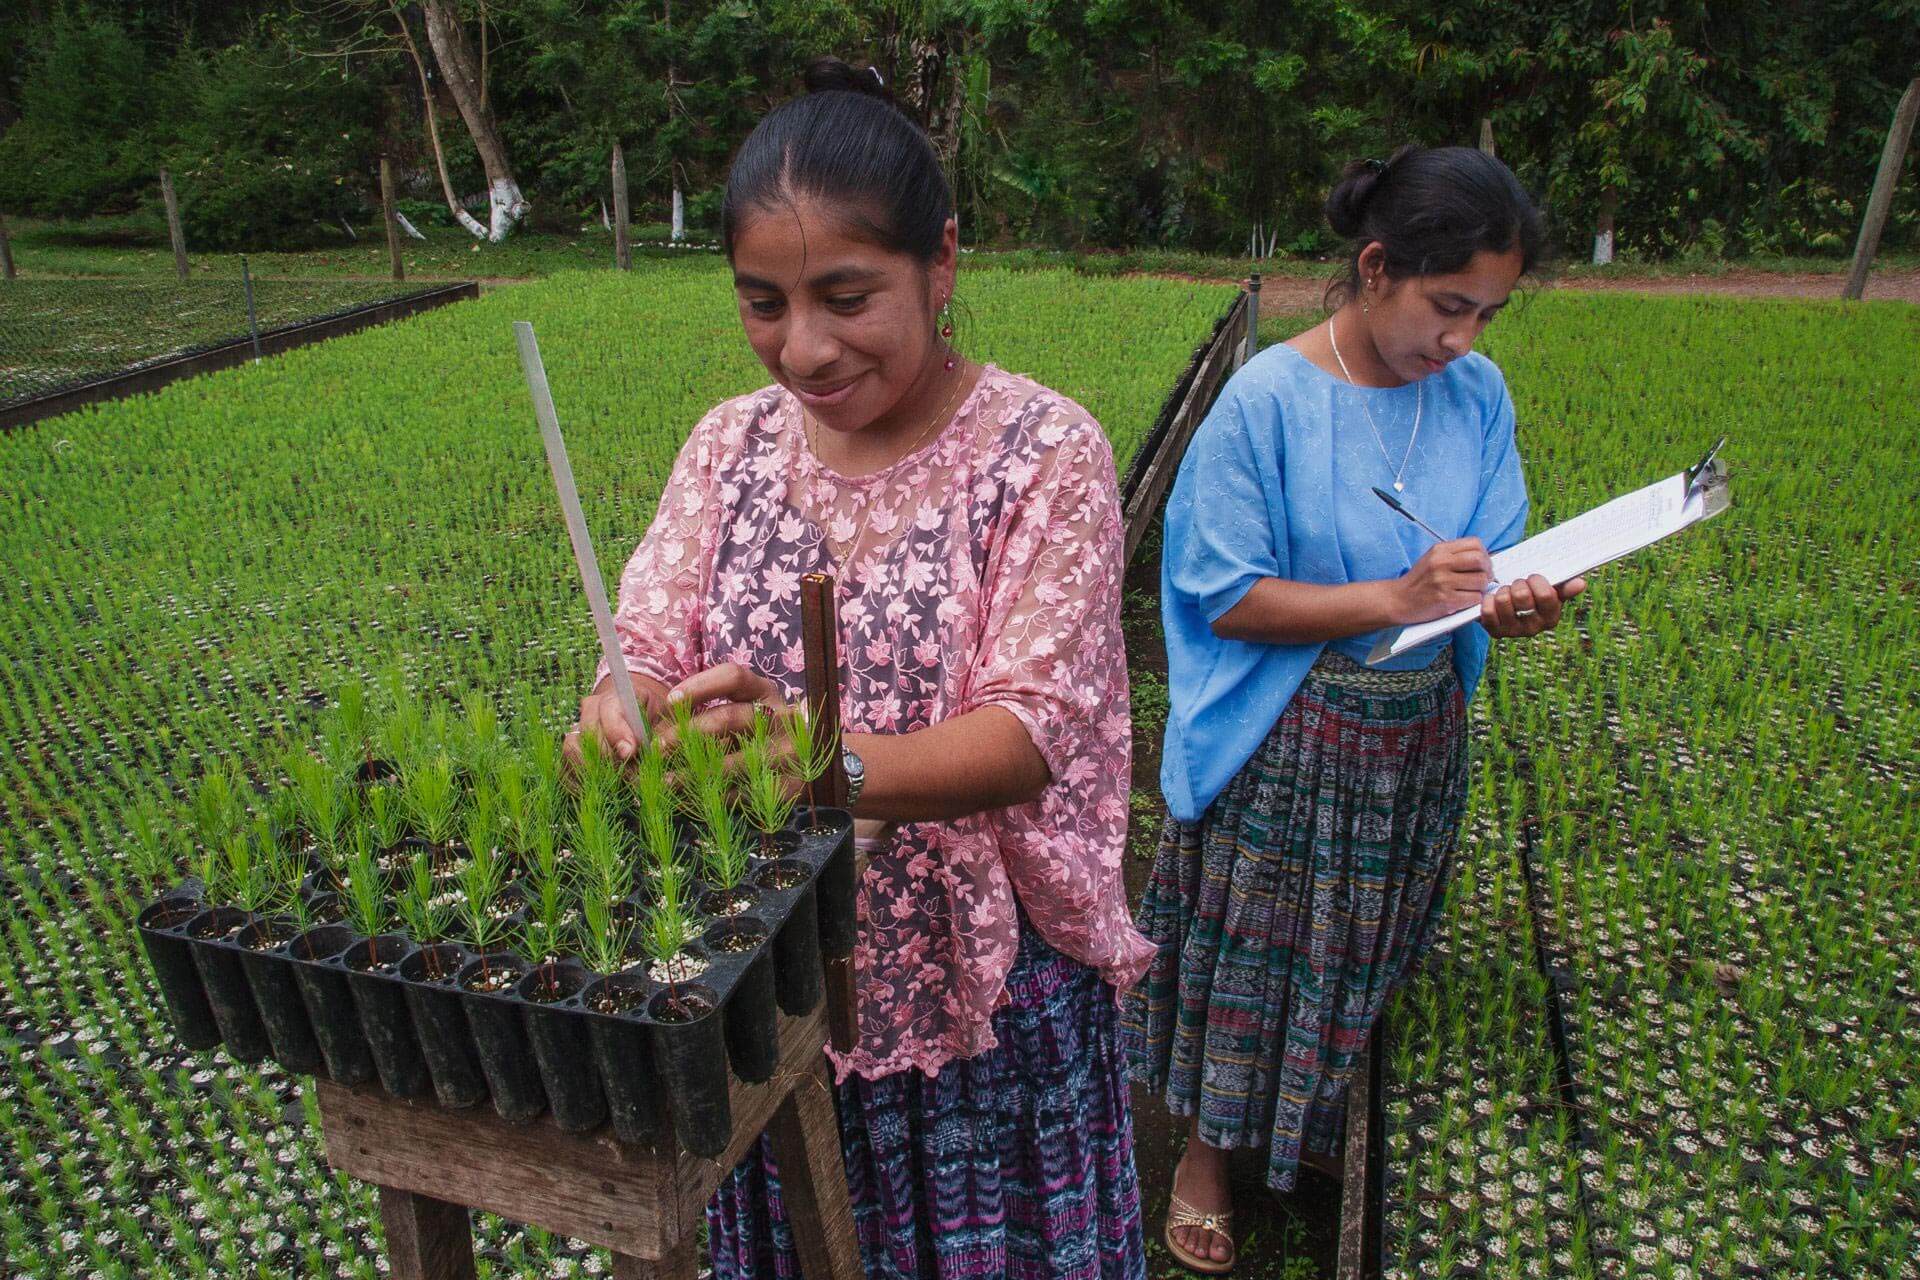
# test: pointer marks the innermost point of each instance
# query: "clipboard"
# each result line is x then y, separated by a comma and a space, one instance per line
1611, 531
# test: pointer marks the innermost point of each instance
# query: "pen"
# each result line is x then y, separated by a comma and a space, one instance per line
1493, 584
1393, 502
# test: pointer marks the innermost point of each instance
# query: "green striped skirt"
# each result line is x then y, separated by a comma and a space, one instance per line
1288, 914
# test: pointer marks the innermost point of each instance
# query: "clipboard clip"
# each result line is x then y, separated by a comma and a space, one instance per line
1699, 470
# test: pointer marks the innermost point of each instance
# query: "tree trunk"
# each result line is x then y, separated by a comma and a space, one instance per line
173, 225
1891, 157
454, 207
388, 216
622, 247
679, 212
459, 69
1603, 229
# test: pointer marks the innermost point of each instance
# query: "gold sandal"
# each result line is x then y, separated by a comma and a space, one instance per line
1182, 1214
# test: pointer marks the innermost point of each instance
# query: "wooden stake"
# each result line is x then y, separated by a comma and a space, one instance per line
1486, 134
174, 232
393, 224
6, 252
820, 640
583, 556
622, 245
1884, 181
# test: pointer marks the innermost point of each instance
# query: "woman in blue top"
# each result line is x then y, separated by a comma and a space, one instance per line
1314, 801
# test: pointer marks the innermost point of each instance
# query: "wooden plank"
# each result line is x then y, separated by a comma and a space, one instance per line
682, 1263
1350, 1255
1144, 504
622, 245
638, 1201
229, 355
427, 1239
805, 1134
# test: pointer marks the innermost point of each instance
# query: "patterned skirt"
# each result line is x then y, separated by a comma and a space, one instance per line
1017, 1162
1287, 915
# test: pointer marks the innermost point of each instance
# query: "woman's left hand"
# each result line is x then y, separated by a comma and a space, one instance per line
1527, 607
737, 694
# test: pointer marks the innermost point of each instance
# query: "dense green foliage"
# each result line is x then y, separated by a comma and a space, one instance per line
1741, 129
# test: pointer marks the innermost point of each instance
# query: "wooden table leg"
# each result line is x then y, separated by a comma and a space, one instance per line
427, 1239
813, 1185
681, 1264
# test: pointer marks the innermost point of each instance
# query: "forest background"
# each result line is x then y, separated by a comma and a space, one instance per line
1687, 129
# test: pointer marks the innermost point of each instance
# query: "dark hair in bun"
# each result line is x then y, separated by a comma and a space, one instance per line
844, 142
1431, 210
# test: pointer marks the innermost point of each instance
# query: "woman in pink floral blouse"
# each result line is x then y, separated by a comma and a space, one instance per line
971, 519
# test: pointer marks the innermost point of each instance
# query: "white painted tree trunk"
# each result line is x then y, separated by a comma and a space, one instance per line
506, 205
406, 226
679, 213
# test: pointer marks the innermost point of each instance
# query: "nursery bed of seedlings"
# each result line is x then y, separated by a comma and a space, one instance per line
1710, 774
58, 333
191, 579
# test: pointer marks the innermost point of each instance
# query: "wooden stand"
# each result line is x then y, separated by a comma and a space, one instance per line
431, 1165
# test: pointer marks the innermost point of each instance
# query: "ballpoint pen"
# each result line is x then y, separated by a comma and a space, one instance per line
1394, 502
1493, 584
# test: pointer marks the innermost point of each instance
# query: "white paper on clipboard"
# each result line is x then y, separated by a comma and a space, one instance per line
1607, 533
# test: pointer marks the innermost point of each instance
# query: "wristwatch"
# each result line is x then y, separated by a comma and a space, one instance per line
856, 773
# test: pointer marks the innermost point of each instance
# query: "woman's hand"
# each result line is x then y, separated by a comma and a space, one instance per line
737, 693
1450, 577
600, 714
1527, 607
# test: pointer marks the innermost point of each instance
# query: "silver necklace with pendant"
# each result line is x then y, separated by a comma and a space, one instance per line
1419, 401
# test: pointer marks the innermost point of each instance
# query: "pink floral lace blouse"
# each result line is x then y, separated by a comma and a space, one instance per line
988, 575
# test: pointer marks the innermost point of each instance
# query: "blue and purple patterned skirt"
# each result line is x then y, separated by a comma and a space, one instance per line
1015, 1163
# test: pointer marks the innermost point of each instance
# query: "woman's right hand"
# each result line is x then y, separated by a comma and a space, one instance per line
600, 714
1451, 576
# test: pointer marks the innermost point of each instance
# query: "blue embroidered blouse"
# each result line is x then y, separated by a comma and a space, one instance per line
1277, 484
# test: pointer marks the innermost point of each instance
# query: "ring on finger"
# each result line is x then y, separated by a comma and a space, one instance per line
1524, 613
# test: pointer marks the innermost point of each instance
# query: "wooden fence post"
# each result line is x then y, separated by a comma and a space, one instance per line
174, 232
1253, 318
1884, 182
622, 244
1486, 134
6, 252
393, 225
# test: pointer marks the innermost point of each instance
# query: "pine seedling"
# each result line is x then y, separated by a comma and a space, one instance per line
479, 883
479, 741
547, 905
387, 816
606, 869
599, 774
151, 856
431, 798
605, 934
421, 905
702, 759
725, 844
216, 806
653, 800
813, 749
318, 796
764, 788
363, 896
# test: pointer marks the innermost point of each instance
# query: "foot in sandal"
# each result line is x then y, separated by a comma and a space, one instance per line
1199, 1220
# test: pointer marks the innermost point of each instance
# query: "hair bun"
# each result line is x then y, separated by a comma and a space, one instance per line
1347, 202
831, 75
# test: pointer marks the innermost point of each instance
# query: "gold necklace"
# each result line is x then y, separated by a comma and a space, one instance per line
945, 415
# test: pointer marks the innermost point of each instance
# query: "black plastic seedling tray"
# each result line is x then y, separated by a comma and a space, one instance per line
439, 1023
